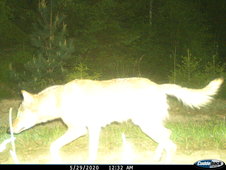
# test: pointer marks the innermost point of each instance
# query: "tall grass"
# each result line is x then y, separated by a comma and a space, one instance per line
199, 135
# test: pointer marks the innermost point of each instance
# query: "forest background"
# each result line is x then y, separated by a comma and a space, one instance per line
48, 42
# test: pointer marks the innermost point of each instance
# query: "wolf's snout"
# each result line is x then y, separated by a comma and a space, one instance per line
8, 131
17, 127
14, 132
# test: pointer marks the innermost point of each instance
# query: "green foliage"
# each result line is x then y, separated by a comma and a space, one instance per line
190, 133
105, 35
112, 66
11, 35
182, 25
214, 68
187, 70
115, 38
12, 67
52, 50
194, 72
81, 71
50, 34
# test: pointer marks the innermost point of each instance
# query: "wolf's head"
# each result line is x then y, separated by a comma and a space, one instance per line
27, 115
34, 109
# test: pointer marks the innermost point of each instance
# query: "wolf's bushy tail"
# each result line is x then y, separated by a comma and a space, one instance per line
193, 97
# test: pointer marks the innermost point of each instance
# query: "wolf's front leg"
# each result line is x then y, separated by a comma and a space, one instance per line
69, 136
94, 133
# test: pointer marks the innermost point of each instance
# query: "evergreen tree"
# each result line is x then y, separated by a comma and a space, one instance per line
52, 49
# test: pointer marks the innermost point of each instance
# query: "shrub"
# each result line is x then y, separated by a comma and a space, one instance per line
81, 71
194, 72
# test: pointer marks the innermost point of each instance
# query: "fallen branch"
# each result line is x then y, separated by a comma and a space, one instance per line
4, 143
11, 139
13, 151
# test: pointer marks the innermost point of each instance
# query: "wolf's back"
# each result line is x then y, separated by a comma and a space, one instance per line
193, 97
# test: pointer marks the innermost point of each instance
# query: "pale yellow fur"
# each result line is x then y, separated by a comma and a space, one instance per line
91, 104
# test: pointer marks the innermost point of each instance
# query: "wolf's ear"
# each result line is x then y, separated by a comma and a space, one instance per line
28, 98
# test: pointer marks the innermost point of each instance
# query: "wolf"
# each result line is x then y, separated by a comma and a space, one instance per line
85, 104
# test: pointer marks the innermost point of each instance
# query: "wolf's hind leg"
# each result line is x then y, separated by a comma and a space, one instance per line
165, 143
71, 134
161, 135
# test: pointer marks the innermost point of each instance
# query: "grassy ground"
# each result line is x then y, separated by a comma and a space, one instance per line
199, 134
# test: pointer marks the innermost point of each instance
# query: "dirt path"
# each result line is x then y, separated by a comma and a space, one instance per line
144, 157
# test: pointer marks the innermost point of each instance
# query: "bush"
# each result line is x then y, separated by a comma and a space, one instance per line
194, 72
81, 71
